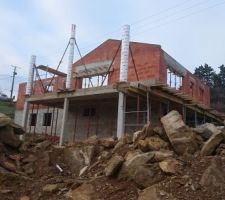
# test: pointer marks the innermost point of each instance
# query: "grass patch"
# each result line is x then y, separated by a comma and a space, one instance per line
8, 108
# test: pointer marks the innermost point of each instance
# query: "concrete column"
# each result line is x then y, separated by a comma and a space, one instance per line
121, 114
148, 108
64, 119
184, 113
25, 114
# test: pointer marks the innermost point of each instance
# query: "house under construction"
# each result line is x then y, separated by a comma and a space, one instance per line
115, 89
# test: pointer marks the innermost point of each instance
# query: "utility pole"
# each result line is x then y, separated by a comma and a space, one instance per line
13, 80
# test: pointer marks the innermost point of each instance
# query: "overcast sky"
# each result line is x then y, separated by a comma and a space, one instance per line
191, 31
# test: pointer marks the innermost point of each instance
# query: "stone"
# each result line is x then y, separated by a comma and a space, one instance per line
24, 198
28, 168
158, 130
118, 145
84, 192
146, 131
93, 140
170, 165
213, 176
143, 145
162, 155
8, 165
50, 188
154, 193
126, 139
4, 120
83, 170
107, 142
182, 138
30, 158
18, 130
88, 153
43, 145
7, 137
132, 162
144, 176
211, 144
206, 130
113, 165
156, 143
136, 135
74, 159
5, 191
152, 143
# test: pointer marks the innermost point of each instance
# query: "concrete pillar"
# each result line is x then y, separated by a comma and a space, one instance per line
64, 119
148, 108
25, 114
184, 113
121, 114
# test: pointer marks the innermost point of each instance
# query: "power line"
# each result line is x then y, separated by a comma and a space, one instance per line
180, 18
179, 11
143, 19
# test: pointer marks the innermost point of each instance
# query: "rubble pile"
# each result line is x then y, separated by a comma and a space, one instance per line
161, 163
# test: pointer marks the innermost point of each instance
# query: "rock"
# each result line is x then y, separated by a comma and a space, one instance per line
154, 193
145, 176
132, 162
50, 188
113, 165
211, 144
74, 159
162, 155
206, 130
43, 145
28, 168
221, 150
56, 155
107, 142
143, 145
170, 165
18, 130
30, 158
158, 130
4, 120
118, 145
127, 139
24, 198
8, 165
84, 192
83, 170
7, 137
182, 138
136, 135
213, 176
6, 191
88, 153
155, 143
152, 143
146, 131
93, 140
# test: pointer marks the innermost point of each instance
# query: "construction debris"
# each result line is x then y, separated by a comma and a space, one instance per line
170, 162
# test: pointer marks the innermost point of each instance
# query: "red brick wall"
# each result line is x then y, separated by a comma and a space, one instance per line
149, 62
197, 87
147, 59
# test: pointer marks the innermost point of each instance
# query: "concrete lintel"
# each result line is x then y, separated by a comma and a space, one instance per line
78, 93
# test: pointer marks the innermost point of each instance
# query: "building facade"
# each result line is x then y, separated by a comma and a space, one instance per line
156, 83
